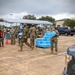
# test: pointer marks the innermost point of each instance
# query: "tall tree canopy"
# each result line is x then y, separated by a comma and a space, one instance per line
48, 18
32, 17
70, 23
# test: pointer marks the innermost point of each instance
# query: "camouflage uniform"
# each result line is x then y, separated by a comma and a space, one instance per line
12, 35
54, 42
2, 38
25, 34
16, 32
20, 40
40, 32
4, 31
33, 34
24, 37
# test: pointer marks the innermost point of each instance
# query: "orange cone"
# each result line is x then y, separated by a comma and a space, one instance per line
6, 41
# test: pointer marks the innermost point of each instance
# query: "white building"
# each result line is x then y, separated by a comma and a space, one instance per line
60, 23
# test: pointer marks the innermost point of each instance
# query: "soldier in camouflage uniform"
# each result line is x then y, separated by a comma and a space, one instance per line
1, 38
12, 35
20, 36
33, 34
24, 37
54, 42
21, 43
40, 31
16, 32
25, 30
4, 31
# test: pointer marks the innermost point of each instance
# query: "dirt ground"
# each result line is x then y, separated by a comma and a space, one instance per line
36, 62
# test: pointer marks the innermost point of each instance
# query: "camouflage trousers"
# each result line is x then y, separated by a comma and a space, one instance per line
4, 34
32, 40
1, 42
54, 42
12, 39
23, 40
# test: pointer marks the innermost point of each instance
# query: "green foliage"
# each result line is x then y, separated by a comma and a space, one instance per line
47, 18
70, 23
32, 17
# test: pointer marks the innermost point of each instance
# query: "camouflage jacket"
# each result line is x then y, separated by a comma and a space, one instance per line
33, 31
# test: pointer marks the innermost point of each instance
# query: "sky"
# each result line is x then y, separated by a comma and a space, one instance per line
57, 9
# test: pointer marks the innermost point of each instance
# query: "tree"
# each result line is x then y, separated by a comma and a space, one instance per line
70, 23
48, 18
32, 17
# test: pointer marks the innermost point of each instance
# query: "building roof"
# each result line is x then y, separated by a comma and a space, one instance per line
62, 19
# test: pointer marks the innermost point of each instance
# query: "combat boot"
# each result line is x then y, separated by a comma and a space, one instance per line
11, 43
3, 43
20, 50
55, 53
32, 47
0, 44
51, 52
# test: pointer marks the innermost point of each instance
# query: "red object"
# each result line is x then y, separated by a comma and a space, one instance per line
6, 41
0, 34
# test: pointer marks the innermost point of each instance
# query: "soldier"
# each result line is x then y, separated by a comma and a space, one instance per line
20, 36
16, 32
4, 31
40, 32
23, 36
12, 35
54, 42
1, 37
33, 34
25, 30
20, 39
26, 35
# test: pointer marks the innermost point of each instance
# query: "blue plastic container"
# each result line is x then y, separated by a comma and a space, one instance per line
45, 41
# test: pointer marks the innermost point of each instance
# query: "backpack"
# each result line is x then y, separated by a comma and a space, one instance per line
1, 34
